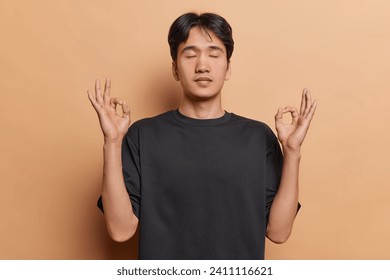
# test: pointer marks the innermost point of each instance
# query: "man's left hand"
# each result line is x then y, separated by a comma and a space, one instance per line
291, 135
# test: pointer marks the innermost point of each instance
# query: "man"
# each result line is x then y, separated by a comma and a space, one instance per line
202, 183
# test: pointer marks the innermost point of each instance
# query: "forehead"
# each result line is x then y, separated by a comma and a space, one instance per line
202, 38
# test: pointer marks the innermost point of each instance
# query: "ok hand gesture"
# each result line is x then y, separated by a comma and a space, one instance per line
114, 126
291, 135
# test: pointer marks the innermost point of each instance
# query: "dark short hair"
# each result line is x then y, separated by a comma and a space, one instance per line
180, 30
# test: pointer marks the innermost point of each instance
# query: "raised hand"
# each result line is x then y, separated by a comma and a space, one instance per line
291, 135
114, 126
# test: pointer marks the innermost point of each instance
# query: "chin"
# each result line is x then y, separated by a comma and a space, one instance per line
201, 95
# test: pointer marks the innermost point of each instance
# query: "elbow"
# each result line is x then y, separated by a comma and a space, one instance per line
122, 233
122, 236
278, 237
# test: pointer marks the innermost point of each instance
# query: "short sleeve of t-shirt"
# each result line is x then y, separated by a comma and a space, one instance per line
130, 169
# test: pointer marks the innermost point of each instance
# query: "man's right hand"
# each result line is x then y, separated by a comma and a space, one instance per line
114, 126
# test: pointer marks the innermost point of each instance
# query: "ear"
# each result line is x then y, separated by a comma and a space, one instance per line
174, 71
228, 71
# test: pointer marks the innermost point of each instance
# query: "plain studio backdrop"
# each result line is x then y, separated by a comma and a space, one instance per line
51, 52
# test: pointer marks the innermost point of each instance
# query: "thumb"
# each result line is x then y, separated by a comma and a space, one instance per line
279, 115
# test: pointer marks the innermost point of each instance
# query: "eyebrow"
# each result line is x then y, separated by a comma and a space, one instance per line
192, 47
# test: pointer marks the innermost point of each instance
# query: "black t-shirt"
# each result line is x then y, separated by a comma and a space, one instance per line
202, 189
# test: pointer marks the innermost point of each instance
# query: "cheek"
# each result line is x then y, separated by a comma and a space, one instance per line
185, 70
222, 70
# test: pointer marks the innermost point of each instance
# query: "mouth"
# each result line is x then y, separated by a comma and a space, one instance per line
203, 79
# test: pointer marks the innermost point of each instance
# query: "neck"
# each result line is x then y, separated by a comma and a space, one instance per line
210, 109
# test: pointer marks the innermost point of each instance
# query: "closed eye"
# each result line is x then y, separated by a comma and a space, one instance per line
215, 53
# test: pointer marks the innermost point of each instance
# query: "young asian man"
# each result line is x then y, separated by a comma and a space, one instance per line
200, 182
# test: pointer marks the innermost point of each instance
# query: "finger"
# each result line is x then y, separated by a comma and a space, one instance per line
303, 101
113, 103
92, 100
294, 113
98, 93
125, 110
107, 93
312, 110
290, 109
308, 103
116, 101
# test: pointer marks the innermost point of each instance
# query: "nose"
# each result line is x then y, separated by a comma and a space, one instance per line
202, 65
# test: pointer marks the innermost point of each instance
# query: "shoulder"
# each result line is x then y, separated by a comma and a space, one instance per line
250, 123
152, 121
255, 127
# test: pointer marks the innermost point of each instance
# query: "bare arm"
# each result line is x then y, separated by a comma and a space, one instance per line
120, 219
291, 136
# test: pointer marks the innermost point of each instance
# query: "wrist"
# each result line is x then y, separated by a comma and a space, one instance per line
110, 142
291, 152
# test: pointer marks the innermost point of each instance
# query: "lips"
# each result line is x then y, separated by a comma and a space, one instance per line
203, 79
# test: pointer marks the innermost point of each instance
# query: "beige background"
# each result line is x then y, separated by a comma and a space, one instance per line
51, 145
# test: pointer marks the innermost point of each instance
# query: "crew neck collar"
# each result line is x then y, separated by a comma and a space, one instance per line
201, 122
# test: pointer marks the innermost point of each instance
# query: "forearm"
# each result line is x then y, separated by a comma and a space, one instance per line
120, 219
284, 206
